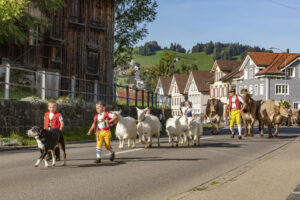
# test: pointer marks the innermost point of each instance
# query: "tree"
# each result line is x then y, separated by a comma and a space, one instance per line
131, 17
164, 68
15, 21
209, 47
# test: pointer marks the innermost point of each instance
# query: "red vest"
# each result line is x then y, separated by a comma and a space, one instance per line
106, 116
237, 103
55, 123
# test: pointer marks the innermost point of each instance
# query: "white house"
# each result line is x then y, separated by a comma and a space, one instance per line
219, 88
162, 91
271, 76
198, 90
176, 91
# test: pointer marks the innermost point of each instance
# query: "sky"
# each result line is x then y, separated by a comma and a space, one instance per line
262, 23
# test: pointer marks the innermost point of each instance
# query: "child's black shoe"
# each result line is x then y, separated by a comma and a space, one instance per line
112, 156
97, 161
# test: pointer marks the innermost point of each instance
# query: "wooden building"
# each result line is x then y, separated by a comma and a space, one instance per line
78, 43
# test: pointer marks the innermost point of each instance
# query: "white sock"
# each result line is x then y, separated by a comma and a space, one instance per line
98, 153
240, 130
232, 131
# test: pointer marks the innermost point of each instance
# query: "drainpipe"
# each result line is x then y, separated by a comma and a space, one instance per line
267, 88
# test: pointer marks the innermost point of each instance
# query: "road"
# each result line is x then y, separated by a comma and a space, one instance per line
157, 173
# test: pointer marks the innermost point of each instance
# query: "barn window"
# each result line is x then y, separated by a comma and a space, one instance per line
93, 62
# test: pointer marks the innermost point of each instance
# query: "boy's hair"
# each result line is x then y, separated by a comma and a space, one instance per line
52, 102
101, 103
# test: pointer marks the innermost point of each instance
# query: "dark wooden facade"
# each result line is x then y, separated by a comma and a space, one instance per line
79, 42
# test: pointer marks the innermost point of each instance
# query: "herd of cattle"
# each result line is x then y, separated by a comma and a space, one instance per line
188, 130
268, 113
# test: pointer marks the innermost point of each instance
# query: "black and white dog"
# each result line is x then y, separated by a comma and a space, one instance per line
47, 140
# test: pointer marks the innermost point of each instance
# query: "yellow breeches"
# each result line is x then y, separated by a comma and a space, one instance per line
103, 136
235, 116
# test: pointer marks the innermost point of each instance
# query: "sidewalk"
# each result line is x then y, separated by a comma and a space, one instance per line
273, 177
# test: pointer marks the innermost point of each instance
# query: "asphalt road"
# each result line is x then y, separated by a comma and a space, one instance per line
157, 173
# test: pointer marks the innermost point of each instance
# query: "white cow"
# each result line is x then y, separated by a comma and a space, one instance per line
173, 130
126, 129
148, 125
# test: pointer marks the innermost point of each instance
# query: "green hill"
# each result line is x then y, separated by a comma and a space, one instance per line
203, 61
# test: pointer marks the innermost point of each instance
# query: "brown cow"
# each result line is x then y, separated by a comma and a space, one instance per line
249, 114
270, 114
295, 117
214, 111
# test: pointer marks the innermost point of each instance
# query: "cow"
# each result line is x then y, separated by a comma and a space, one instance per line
214, 111
270, 114
249, 114
295, 117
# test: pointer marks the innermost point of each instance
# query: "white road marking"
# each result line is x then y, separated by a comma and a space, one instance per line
127, 151
204, 138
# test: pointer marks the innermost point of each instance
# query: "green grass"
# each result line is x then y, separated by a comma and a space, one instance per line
203, 61
17, 93
213, 183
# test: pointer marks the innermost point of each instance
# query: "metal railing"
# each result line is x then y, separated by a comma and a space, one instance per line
74, 87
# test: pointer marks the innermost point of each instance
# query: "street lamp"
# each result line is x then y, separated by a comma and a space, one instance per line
284, 69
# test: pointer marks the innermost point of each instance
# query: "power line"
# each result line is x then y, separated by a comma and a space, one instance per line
284, 5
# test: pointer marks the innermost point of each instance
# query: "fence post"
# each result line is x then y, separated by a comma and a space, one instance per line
96, 91
127, 95
148, 98
7, 77
152, 100
136, 96
143, 105
43, 90
73, 85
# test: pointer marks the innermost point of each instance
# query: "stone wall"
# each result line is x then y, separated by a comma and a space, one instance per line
19, 116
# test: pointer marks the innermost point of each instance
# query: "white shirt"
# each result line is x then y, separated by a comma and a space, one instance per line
100, 120
233, 105
51, 116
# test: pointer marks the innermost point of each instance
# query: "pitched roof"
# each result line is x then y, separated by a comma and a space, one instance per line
165, 84
262, 58
281, 60
231, 74
200, 78
227, 65
121, 95
181, 80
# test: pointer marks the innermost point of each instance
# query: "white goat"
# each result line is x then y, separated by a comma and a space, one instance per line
195, 131
126, 129
183, 125
173, 130
148, 126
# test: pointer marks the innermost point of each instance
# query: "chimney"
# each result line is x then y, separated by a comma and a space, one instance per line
288, 50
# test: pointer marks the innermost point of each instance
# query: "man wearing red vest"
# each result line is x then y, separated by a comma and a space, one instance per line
53, 119
101, 125
234, 107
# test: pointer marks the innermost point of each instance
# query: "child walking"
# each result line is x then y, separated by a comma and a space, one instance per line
101, 125
53, 119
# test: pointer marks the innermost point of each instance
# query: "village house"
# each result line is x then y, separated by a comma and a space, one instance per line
197, 90
271, 76
162, 90
176, 91
218, 88
79, 43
